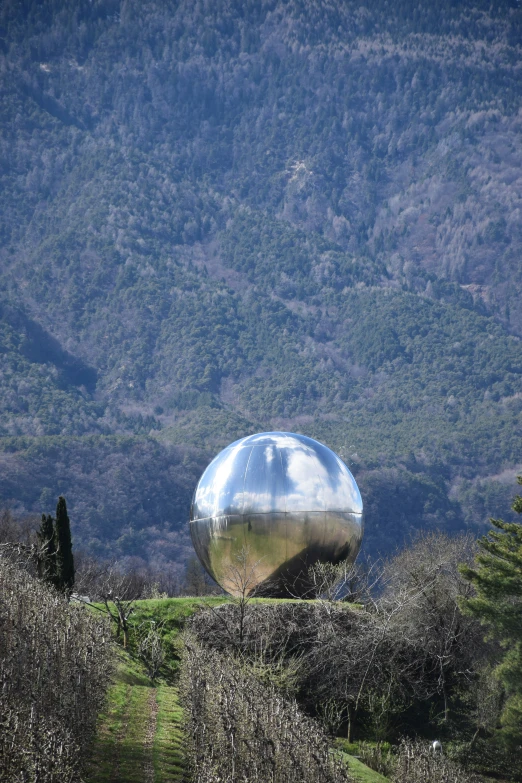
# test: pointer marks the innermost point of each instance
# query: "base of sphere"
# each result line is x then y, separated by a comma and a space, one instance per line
270, 554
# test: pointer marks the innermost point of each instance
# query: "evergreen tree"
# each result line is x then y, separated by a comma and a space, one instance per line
47, 550
498, 604
64, 555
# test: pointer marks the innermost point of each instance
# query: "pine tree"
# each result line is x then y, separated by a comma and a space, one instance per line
498, 605
64, 555
46, 558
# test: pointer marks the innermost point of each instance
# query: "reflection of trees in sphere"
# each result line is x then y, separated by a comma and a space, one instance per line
285, 500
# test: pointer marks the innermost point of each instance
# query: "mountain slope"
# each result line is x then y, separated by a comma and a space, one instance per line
227, 217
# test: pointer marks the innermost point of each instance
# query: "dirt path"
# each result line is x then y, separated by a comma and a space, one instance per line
148, 743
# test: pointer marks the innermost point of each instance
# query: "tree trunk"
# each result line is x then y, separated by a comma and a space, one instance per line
445, 697
350, 724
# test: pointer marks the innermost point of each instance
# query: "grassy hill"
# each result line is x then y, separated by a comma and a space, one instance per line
140, 732
229, 218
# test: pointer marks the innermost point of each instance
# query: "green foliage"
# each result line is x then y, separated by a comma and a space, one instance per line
217, 220
42, 387
47, 566
488, 758
128, 495
169, 616
63, 545
498, 582
360, 772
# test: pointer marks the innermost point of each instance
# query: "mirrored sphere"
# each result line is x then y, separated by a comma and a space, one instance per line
268, 507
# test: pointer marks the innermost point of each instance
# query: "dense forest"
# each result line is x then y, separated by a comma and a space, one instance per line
218, 218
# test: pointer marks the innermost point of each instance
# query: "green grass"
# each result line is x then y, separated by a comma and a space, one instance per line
128, 670
170, 615
132, 759
110, 729
139, 737
177, 610
168, 742
361, 772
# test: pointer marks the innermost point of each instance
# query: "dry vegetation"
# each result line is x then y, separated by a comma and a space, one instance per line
239, 729
55, 669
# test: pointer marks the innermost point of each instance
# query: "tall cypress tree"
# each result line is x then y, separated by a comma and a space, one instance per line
64, 555
47, 550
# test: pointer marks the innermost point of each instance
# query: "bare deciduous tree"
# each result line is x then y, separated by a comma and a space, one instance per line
240, 580
150, 648
119, 592
407, 642
423, 588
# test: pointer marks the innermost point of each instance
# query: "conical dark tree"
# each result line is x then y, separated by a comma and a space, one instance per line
497, 578
64, 555
46, 557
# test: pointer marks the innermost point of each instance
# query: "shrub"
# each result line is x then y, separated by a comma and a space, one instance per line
239, 729
54, 670
378, 756
416, 762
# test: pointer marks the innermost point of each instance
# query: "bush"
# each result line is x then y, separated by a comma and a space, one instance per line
416, 762
54, 670
378, 756
238, 729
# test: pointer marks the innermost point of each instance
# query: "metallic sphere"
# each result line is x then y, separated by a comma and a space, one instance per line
268, 507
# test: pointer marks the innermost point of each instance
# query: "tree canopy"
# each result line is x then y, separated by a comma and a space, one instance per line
497, 579
228, 217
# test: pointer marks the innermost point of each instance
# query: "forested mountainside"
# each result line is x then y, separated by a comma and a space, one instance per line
222, 217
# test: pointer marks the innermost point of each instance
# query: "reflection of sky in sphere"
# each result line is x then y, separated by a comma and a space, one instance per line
275, 472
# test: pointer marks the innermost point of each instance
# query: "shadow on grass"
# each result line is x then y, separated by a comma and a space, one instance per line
115, 764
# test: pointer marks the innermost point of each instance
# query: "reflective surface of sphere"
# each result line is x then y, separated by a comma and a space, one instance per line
268, 507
